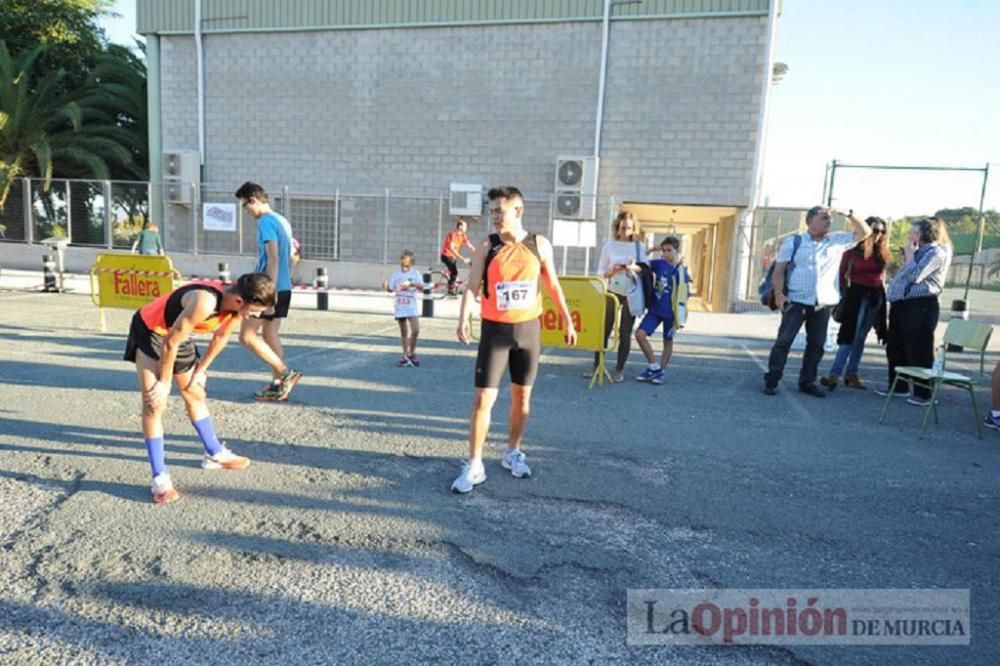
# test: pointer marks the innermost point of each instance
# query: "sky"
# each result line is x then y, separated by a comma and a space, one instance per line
888, 82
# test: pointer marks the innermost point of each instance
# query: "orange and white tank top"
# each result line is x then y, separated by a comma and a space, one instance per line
160, 315
512, 282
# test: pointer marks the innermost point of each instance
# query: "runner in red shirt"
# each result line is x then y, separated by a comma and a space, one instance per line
451, 252
160, 345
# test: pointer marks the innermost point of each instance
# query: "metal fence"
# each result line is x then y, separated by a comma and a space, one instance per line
772, 225
85, 212
339, 225
350, 226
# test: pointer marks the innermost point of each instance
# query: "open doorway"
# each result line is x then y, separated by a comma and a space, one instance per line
706, 234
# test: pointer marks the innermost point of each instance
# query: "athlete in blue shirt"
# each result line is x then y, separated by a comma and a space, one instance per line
274, 243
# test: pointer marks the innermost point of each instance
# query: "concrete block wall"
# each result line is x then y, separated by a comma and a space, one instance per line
420, 108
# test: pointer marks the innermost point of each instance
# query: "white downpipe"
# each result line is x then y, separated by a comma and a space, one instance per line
200, 61
602, 82
742, 255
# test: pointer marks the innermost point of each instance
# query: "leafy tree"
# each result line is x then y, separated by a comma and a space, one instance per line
119, 90
43, 124
69, 28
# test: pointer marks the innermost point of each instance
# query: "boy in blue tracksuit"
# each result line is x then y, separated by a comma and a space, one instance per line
668, 307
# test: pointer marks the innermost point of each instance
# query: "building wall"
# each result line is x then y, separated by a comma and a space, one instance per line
419, 108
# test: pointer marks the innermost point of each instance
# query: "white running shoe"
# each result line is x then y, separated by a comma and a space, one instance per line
471, 476
224, 459
163, 489
514, 461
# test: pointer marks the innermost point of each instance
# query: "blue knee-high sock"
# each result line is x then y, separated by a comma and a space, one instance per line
154, 447
207, 434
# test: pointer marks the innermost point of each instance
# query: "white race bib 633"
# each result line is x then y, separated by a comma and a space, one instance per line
406, 304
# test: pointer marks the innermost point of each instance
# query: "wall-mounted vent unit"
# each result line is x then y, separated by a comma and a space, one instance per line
466, 199
576, 187
180, 170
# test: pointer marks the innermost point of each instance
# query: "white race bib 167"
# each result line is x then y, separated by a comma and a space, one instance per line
519, 295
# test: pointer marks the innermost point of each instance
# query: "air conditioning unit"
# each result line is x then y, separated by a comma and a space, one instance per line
576, 206
576, 187
466, 199
181, 168
177, 192
181, 165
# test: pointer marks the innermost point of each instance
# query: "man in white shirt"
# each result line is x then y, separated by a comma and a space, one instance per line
806, 285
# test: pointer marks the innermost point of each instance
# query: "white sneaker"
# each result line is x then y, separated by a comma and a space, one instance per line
471, 476
163, 489
514, 461
224, 459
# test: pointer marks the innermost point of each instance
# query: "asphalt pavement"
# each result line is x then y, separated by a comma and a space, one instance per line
341, 543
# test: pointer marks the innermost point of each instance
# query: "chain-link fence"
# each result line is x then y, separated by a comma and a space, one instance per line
350, 226
86, 213
772, 225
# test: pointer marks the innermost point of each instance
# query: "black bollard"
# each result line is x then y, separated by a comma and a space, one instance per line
49, 272
959, 310
225, 277
428, 310
322, 283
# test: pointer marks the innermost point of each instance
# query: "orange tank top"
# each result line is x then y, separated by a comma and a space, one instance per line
160, 315
513, 272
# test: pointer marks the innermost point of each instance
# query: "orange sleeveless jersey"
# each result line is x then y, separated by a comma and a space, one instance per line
453, 243
518, 270
154, 314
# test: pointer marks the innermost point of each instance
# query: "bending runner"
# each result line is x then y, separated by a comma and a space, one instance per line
160, 344
509, 265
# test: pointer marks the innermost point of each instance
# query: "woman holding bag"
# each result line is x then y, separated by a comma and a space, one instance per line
862, 304
619, 265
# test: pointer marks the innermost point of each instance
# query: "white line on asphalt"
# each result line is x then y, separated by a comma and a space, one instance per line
803, 412
298, 357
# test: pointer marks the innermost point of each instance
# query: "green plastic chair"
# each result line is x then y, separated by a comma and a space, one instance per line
973, 336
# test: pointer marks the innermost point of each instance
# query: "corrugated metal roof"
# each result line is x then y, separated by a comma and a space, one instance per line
177, 16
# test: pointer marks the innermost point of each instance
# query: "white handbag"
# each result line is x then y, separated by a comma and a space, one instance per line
636, 299
623, 282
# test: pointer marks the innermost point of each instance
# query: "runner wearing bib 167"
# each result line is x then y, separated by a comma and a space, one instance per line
509, 266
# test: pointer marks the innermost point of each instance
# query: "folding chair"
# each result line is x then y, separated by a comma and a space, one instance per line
973, 336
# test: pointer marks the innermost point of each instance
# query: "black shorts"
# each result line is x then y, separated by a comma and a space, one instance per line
151, 344
516, 345
281, 307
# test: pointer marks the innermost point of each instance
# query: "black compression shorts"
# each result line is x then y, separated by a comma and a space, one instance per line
140, 338
281, 307
501, 345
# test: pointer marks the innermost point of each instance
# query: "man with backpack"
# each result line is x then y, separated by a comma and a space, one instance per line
806, 284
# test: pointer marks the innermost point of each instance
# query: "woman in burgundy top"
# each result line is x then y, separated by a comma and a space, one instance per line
862, 276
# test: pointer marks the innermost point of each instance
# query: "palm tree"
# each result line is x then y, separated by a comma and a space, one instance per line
44, 127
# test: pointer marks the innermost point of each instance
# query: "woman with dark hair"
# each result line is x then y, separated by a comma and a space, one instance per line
862, 306
620, 256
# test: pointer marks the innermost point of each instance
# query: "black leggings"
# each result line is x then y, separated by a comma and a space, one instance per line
911, 338
626, 320
452, 270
